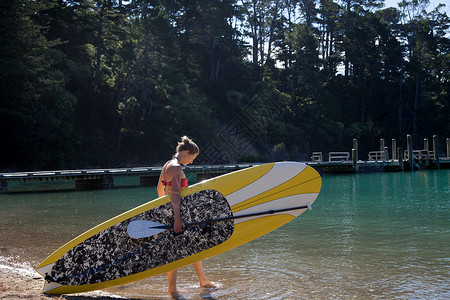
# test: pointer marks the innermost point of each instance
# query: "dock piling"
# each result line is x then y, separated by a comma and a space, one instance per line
382, 148
436, 150
448, 148
425, 144
106, 182
409, 145
401, 165
3, 186
355, 159
394, 149
355, 154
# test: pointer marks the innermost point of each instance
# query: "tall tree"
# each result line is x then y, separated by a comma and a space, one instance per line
263, 20
421, 35
328, 17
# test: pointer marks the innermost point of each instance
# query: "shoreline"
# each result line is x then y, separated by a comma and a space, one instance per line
21, 283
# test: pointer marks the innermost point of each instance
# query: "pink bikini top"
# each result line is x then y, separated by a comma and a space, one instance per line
184, 183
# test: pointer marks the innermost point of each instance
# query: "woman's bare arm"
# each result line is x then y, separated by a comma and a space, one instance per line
175, 173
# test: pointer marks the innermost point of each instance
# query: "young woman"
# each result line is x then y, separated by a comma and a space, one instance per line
171, 181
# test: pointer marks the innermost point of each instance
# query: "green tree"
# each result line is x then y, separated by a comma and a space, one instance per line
36, 114
328, 23
263, 20
424, 36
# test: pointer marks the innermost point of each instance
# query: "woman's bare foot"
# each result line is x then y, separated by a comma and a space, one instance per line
204, 281
176, 296
208, 284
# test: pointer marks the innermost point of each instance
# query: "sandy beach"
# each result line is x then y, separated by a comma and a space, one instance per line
16, 283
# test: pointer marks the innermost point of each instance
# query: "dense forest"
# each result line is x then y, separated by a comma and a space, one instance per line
109, 83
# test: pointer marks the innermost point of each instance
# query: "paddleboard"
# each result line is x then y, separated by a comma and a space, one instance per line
220, 213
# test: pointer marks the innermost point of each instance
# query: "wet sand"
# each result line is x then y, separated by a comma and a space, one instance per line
23, 284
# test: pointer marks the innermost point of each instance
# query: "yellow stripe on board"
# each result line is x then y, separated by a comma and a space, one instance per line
306, 182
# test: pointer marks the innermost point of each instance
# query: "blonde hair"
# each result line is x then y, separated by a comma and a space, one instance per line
187, 144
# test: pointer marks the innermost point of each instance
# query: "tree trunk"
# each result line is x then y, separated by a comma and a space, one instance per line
400, 103
99, 44
416, 101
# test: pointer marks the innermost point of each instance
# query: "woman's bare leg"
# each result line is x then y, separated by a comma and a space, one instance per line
204, 282
172, 279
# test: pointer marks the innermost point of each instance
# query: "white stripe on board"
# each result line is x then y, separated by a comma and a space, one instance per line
281, 203
279, 174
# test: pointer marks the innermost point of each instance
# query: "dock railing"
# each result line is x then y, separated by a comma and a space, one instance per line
415, 154
339, 156
377, 155
426, 154
316, 156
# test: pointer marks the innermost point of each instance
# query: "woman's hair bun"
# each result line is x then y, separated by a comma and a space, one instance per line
185, 140
187, 144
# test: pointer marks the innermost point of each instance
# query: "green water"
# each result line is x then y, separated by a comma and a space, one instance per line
369, 236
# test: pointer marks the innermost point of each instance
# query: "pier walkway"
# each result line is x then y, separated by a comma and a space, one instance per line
90, 179
338, 162
392, 165
104, 178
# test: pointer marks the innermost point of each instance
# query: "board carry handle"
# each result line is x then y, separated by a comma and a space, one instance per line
268, 212
142, 228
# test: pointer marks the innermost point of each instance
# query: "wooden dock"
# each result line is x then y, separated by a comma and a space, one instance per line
91, 179
338, 162
376, 166
382, 160
88, 179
